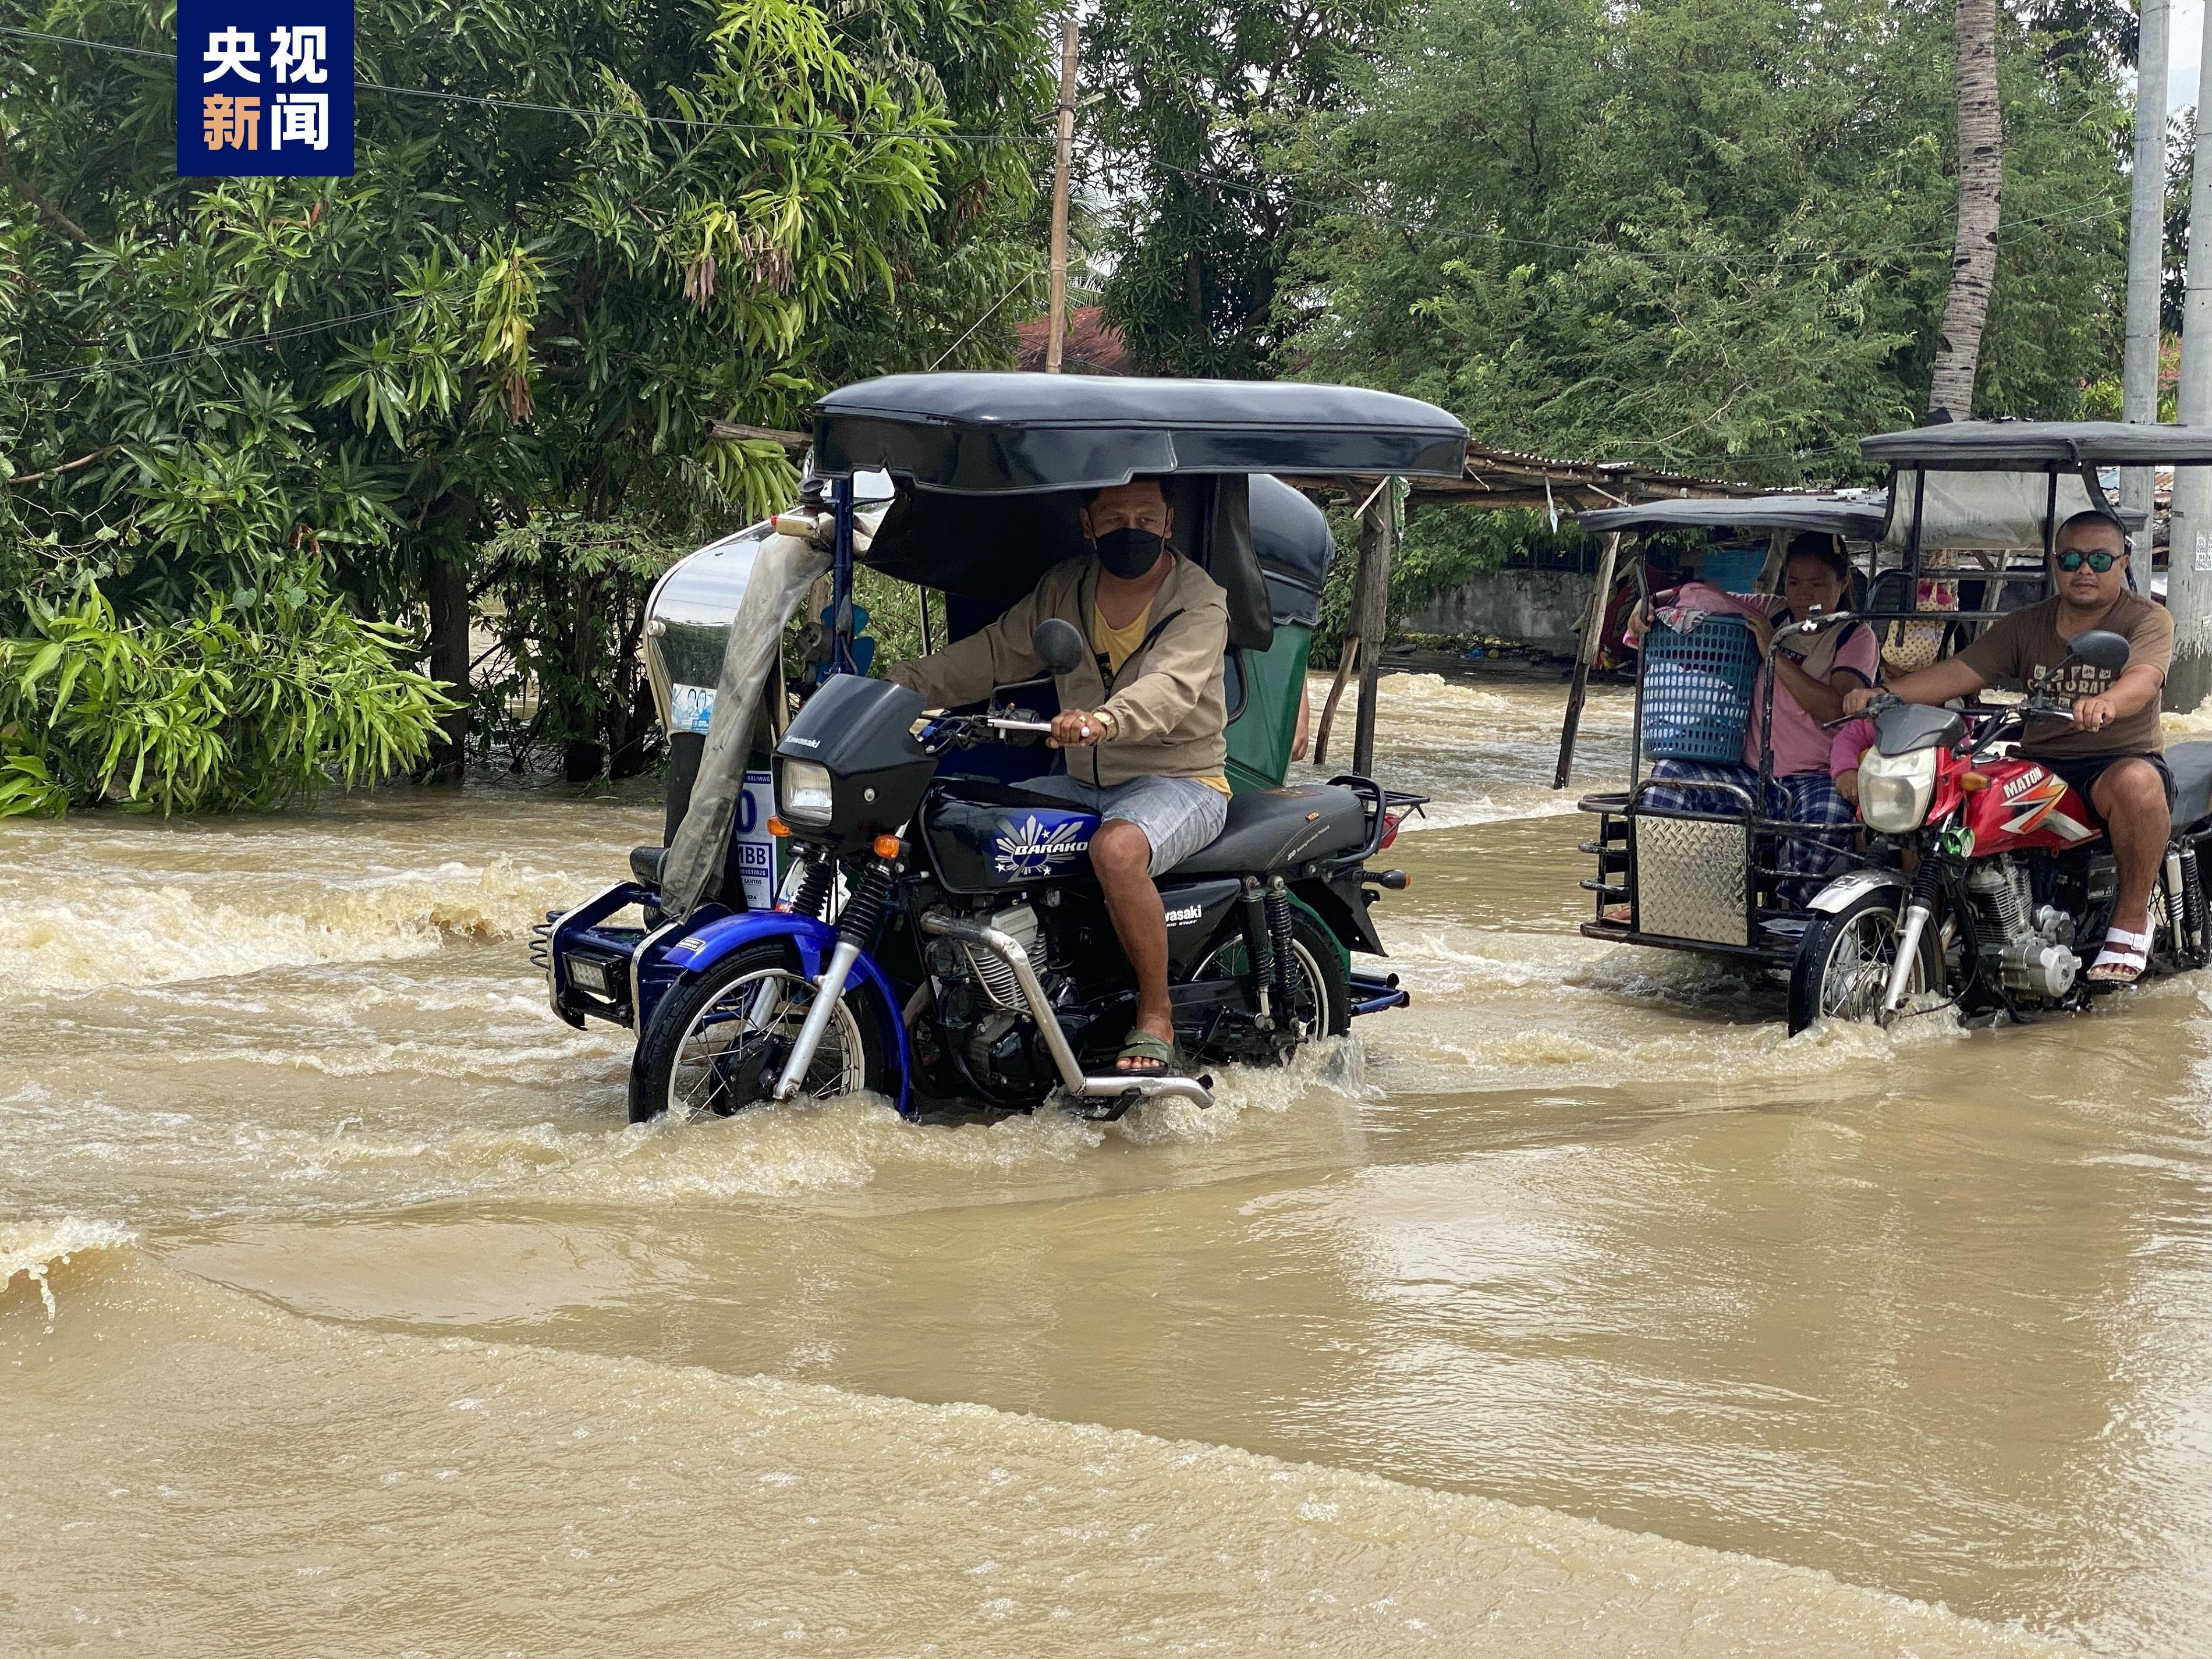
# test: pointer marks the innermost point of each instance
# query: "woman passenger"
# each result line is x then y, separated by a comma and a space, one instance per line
1815, 672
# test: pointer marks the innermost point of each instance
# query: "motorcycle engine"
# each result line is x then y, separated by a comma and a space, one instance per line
980, 1005
2034, 959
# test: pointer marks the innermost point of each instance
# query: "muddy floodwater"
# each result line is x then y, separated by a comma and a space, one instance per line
1575, 1311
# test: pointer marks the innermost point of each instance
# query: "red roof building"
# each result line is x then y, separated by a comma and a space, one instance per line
1091, 347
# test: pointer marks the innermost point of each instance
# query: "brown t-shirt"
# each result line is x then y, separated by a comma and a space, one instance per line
2015, 646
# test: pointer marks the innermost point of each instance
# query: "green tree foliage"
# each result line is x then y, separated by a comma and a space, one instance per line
1714, 235
254, 703
1191, 94
505, 313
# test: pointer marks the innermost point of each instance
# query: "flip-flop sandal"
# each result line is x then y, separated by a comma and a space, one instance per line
1143, 1045
2123, 958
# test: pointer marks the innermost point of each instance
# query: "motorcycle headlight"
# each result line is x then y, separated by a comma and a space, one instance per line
803, 794
1894, 790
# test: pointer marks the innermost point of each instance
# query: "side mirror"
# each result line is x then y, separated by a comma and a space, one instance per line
2100, 648
1059, 646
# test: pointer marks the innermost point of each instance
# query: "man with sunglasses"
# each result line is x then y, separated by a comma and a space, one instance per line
2113, 752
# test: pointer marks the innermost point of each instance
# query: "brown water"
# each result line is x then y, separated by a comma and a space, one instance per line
1576, 1310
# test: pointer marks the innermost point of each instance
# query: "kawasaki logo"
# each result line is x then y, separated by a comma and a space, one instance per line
1188, 914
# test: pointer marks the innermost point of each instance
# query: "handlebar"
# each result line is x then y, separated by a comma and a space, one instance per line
966, 731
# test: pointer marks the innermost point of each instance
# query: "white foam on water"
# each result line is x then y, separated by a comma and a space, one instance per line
33, 1249
122, 932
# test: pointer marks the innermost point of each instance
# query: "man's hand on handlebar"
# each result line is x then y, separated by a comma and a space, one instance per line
1856, 701
1079, 729
2094, 714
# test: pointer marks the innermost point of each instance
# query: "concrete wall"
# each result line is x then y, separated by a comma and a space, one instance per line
1542, 608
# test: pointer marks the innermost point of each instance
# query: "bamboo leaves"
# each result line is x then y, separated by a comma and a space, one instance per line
229, 707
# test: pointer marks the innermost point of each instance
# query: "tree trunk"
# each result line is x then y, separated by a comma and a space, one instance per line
449, 666
1981, 181
583, 756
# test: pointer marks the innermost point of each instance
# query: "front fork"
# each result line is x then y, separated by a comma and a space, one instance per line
1919, 907
863, 910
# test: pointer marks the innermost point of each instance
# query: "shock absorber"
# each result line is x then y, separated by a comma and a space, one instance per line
815, 886
2174, 918
1260, 950
864, 905
2192, 902
1278, 935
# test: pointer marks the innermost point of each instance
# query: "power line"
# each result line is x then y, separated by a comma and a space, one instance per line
681, 122
86, 371
1222, 181
1495, 237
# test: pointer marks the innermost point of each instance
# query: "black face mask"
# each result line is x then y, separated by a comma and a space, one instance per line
1129, 553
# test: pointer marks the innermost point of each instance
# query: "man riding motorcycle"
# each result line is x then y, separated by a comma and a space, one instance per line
2113, 752
1149, 706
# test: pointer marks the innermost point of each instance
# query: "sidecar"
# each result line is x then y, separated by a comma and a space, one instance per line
967, 487
1936, 556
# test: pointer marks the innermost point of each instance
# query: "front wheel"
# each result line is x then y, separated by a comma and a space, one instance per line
1844, 960
718, 1044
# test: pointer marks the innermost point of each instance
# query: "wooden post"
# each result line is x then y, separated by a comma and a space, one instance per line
1593, 630
1064, 155
1376, 524
1348, 659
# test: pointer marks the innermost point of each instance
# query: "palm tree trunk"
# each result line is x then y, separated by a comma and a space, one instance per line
1981, 181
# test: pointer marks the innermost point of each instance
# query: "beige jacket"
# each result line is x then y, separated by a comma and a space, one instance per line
1168, 702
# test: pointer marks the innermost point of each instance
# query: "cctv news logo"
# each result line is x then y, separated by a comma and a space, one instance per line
264, 88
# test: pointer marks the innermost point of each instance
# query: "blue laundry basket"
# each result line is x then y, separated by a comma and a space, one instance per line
1697, 690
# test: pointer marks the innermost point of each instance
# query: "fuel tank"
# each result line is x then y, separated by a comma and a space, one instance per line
983, 836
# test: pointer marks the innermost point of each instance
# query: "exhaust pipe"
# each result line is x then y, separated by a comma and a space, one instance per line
1127, 1088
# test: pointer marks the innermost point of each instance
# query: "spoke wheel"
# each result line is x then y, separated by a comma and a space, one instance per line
719, 1045
1323, 991
1844, 962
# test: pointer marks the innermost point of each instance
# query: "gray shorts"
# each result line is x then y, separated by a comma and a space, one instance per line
1178, 815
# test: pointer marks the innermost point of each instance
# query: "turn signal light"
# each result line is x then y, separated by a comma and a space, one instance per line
777, 827
887, 847
1973, 782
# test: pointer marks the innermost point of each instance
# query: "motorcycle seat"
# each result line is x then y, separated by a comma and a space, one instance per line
646, 864
1269, 830
2192, 766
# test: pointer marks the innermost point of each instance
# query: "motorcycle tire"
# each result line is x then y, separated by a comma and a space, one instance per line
862, 1057
1824, 952
1325, 971
1315, 941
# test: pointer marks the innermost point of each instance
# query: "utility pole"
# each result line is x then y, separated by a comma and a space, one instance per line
2189, 558
2145, 265
1064, 155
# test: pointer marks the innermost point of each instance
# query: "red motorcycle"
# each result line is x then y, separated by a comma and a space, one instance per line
1989, 870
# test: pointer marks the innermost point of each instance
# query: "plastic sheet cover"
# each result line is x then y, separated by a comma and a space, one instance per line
786, 568
1982, 510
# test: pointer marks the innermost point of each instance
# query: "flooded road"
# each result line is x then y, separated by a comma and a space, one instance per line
1576, 1310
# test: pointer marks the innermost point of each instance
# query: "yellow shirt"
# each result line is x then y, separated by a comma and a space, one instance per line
1118, 645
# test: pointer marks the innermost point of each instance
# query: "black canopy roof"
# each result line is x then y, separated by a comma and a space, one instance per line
1859, 518
1980, 445
1292, 537
1020, 434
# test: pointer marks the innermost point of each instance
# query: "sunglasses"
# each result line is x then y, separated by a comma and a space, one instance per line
2072, 559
